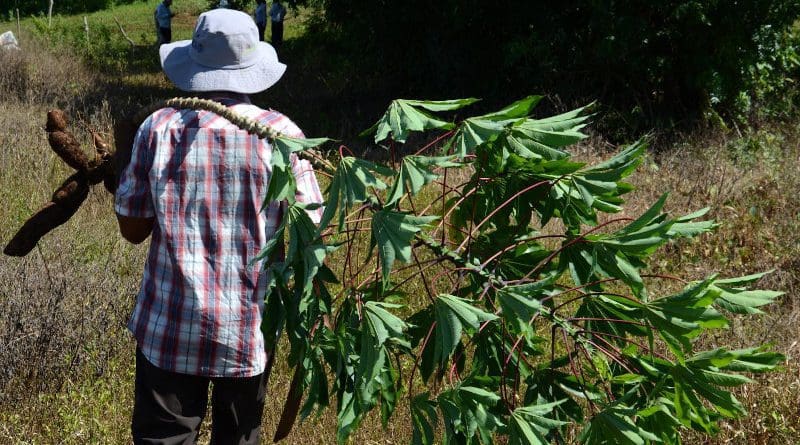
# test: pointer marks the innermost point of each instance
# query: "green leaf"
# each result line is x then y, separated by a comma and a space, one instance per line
474, 132
282, 182
392, 232
614, 426
520, 108
737, 299
620, 165
404, 116
416, 172
520, 306
424, 420
349, 417
467, 412
383, 324
453, 314
349, 186
682, 317
554, 132
529, 425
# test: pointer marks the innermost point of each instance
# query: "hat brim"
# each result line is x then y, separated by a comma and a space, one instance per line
189, 75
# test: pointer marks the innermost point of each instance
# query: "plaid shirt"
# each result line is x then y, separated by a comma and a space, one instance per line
200, 305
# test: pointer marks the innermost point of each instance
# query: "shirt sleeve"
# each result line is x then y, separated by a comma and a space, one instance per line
133, 197
308, 191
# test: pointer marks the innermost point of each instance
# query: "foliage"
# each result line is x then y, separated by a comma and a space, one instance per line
63, 6
665, 60
536, 318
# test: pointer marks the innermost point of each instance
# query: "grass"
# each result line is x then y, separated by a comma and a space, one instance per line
65, 355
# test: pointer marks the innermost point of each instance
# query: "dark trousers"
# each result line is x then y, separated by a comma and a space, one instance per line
169, 407
164, 35
277, 33
261, 27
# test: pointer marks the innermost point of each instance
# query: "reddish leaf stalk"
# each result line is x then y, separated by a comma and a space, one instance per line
625, 339
593, 294
419, 357
608, 320
576, 374
577, 239
514, 245
434, 142
500, 207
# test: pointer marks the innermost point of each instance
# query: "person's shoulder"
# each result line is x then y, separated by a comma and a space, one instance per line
280, 122
159, 118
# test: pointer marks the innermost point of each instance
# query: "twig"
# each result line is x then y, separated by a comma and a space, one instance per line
124, 34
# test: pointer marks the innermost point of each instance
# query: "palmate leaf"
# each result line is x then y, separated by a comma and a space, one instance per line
281, 182
453, 315
529, 425
541, 136
521, 303
350, 185
467, 413
621, 254
416, 172
392, 233
614, 426
579, 192
734, 297
680, 318
381, 327
404, 116
476, 131
699, 401
424, 420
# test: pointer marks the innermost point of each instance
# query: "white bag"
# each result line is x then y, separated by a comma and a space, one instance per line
8, 41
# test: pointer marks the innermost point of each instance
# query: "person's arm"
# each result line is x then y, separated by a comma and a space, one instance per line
132, 201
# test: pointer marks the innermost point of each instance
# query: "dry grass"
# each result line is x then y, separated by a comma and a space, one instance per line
66, 358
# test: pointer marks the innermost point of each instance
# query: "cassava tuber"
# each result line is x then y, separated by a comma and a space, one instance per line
67, 148
66, 201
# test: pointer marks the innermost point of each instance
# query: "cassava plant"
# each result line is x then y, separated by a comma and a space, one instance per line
524, 310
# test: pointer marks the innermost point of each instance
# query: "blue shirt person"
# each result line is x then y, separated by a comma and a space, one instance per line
276, 14
163, 18
260, 17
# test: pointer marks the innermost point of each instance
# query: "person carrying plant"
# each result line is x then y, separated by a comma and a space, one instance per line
195, 186
163, 18
276, 14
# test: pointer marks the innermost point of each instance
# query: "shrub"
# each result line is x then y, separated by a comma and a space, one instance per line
666, 60
526, 310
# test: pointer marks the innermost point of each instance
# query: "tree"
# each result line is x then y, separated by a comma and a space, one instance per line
667, 60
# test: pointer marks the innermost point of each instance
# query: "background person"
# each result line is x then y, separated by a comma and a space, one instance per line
163, 16
276, 14
195, 185
260, 17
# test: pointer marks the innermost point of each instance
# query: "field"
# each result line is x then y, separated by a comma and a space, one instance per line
65, 354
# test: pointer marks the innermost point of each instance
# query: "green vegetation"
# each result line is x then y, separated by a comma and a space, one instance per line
67, 358
651, 62
540, 321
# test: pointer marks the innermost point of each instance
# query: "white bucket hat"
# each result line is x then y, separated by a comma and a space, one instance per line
225, 54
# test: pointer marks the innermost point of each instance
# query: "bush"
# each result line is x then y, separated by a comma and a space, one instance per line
664, 60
